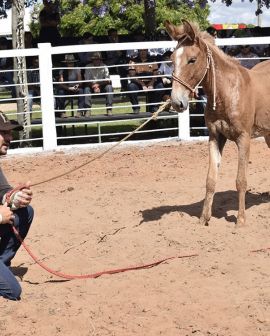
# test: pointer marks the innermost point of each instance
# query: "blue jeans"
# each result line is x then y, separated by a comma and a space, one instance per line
9, 245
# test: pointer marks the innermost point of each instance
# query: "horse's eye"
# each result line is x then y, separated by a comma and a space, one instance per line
192, 60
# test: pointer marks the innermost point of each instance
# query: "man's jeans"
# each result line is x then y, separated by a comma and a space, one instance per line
9, 245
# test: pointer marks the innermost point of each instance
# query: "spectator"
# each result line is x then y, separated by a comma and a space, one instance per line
114, 57
49, 20
166, 70
33, 83
29, 43
71, 86
133, 53
85, 57
6, 63
137, 71
212, 31
99, 81
266, 52
249, 58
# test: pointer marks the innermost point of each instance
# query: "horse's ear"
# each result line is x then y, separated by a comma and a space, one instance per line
172, 30
189, 30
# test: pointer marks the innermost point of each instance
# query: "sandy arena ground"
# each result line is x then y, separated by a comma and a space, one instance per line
137, 205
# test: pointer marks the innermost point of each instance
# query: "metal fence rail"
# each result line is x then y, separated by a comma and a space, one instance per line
45, 126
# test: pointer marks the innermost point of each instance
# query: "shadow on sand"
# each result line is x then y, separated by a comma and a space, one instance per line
223, 202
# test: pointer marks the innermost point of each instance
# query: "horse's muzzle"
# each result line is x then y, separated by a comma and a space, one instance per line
180, 106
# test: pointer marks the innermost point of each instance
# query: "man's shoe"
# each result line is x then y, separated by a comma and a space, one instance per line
109, 112
87, 114
136, 111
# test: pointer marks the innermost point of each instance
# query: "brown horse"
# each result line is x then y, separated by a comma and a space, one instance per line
238, 106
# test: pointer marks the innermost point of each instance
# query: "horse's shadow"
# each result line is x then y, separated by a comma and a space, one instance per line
19, 271
222, 203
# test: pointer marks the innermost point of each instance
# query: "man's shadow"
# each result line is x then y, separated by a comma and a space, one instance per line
223, 202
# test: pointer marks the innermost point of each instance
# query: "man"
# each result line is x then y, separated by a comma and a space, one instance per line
97, 73
14, 210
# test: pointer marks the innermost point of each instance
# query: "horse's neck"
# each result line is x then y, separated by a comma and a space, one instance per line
220, 66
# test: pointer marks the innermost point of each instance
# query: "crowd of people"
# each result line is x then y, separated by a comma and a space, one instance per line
86, 74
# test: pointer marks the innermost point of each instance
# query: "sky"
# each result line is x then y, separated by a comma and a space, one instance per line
238, 12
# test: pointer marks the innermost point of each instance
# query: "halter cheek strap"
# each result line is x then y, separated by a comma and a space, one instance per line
209, 64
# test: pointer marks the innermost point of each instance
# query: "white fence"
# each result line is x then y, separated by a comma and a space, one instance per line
50, 139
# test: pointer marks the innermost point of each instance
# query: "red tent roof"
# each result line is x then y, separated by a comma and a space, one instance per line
220, 26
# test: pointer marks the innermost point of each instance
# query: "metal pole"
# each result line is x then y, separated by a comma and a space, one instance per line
259, 19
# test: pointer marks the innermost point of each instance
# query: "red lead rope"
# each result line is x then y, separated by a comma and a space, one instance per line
85, 276
98, 274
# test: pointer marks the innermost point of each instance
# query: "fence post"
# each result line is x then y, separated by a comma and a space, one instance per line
184, 125
47, 98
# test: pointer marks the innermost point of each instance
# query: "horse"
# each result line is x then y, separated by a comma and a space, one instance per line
238, 103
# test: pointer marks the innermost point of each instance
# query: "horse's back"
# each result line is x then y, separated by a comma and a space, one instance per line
262, 66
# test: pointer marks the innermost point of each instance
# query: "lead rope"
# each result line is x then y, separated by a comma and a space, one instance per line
11, 193
98, 274
162, 107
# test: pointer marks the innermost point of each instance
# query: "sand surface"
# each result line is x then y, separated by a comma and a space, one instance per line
137, 205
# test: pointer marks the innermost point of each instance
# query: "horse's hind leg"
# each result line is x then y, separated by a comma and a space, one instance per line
243, 144
216, 145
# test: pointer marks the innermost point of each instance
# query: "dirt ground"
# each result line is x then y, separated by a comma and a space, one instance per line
136, 205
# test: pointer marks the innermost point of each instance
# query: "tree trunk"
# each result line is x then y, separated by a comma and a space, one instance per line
150, 18
20, 76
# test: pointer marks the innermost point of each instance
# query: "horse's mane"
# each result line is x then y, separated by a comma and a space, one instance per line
209, 39
206, 37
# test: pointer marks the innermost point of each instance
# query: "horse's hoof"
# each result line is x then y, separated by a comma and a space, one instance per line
203, 221
240, 223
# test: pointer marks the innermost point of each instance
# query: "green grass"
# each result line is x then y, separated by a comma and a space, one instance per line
90, 129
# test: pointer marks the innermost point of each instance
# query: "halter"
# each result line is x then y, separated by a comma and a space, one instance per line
209, 64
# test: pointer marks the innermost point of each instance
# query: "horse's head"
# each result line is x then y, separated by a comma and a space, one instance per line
189, 60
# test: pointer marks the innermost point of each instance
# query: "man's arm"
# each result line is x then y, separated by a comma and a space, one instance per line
4, 185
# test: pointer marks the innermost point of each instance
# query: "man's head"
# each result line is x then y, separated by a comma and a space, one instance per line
6, 128
245, 49
96, 58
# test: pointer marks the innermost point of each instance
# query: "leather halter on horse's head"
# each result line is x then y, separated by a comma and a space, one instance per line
187, 38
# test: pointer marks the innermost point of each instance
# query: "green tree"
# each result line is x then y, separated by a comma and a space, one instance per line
96, 17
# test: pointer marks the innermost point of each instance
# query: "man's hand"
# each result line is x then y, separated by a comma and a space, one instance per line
23, 197
6, 215
96, 88
19, 197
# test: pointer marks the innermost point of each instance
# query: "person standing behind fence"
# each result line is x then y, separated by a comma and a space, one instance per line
49, 20
85, 57
142, 77
33, 83
166, 70
249, 58
99, 81
72, 85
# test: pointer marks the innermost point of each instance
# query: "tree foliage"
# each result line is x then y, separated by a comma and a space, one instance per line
96, 17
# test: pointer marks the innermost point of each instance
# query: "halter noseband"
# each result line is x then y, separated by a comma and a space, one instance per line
209, 62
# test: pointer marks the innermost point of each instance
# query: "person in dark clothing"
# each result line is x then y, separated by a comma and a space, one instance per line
14, 210
143, 73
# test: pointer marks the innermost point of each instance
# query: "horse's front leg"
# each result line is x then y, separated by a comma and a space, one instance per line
216, 145
243, 144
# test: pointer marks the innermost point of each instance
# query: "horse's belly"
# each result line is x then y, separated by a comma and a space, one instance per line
221, 126
262, 121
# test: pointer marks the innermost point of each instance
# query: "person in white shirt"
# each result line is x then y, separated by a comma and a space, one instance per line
97, 73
